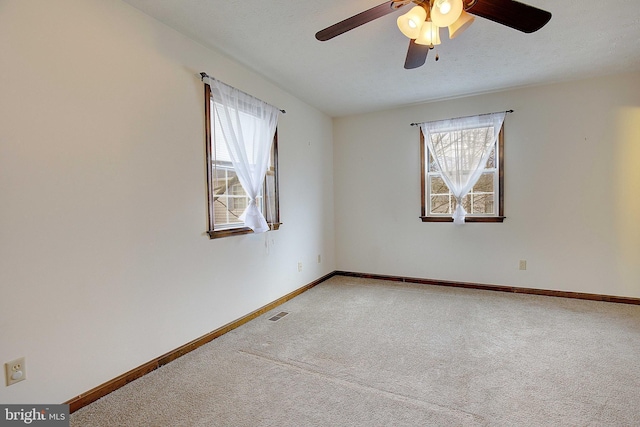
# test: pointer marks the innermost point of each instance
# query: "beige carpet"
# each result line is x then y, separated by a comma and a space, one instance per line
357, 352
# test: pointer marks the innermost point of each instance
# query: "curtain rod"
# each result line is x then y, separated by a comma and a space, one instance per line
464, 117
205, 75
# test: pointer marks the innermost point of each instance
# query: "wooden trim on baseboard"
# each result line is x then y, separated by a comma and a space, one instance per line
102, 390
498, 288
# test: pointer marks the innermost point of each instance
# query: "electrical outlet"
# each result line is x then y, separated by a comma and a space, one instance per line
299, 266
15, 371
319, 258
523, 264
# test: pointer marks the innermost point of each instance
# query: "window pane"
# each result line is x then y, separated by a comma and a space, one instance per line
230, 199
484, 184
483, 204
466, 203
441, 204
270, 196
479, 201
438, 186
236, 189
239, 199
433, 166
491, 162
223, 215
223, 179
483, 195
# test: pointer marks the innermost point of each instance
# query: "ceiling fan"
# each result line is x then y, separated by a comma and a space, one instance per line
423, 22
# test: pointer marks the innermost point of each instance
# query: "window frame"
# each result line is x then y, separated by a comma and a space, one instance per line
424, 177
274, 221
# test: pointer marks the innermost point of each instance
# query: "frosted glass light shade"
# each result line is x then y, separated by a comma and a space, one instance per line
446, 12
461, 24
429, 34
411, 22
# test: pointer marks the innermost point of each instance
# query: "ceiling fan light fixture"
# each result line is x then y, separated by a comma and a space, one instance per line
446, 12
411, 22
463, 22
429, 34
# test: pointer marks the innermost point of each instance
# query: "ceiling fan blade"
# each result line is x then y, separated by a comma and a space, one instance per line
416, 55
511, 13
356, 20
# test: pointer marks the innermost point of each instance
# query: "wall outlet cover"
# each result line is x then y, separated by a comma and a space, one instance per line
15, 371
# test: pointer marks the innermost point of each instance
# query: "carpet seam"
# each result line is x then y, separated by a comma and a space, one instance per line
356, 384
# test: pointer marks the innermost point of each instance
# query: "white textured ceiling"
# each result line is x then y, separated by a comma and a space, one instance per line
362, 70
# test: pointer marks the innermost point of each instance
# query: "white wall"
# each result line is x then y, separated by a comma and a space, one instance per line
104, 260
572, 192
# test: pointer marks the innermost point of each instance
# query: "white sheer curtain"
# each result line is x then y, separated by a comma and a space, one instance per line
460, 148
248, 126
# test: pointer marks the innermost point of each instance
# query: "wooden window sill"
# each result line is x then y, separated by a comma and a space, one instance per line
217, 234
467, 219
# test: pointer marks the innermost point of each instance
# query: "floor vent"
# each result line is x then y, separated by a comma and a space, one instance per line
278, 316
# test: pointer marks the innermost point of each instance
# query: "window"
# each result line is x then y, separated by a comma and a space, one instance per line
485, 200
227, 199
